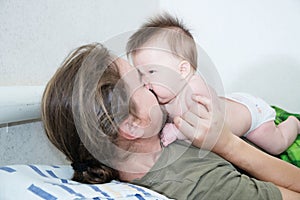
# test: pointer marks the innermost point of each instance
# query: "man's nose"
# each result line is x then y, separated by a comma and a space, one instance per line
147, 86
145, 80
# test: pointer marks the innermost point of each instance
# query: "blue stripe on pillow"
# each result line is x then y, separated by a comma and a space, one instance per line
70, 190
139, 189
8, 169
102, 192
139, 197
41, 193
37, 170
51, 173
64, 180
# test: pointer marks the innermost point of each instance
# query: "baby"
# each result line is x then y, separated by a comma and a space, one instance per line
165, 54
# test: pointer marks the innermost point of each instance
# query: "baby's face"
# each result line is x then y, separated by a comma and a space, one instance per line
160, 73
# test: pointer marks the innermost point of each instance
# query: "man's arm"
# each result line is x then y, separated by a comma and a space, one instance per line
204, 126
261, 165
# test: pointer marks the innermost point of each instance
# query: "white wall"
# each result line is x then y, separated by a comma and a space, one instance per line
35, 37
254, 44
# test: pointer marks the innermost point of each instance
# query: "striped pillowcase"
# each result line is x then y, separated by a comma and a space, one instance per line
45, 182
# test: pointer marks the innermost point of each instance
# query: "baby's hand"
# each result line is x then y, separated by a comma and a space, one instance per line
170, 133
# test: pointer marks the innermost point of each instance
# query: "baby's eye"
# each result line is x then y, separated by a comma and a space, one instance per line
151, 71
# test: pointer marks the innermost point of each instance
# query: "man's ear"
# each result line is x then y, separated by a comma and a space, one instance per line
184, 68
128, 130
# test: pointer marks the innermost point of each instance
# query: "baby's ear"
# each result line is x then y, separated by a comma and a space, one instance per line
128, 130
184, 68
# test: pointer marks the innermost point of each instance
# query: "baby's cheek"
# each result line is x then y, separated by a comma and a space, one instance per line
166, 92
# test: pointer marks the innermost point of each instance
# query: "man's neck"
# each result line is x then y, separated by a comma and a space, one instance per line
147, 152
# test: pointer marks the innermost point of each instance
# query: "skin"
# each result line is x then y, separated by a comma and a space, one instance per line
202, 125
171, 78
157, 74
147, 121
142, 128
174, 82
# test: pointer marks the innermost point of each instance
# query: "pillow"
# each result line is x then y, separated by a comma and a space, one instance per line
54, 182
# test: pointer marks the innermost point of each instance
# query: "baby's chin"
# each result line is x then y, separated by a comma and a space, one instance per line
163, 100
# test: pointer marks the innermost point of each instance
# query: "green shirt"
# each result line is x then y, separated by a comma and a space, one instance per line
185, 172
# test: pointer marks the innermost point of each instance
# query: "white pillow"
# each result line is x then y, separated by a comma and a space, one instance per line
54, 182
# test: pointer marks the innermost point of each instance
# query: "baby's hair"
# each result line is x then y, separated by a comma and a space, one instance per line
161, 28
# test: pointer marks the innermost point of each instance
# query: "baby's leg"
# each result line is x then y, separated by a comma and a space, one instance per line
275, 139
170, 133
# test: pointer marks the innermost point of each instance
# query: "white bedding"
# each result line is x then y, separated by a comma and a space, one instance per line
53, 182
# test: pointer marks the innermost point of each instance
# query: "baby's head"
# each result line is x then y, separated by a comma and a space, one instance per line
165, 53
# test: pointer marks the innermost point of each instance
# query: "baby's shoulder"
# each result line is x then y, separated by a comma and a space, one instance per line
196, 83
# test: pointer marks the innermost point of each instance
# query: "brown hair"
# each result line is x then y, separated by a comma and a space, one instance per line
164, 27
72, 136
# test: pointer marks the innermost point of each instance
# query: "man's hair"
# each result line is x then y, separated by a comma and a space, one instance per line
161, 28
